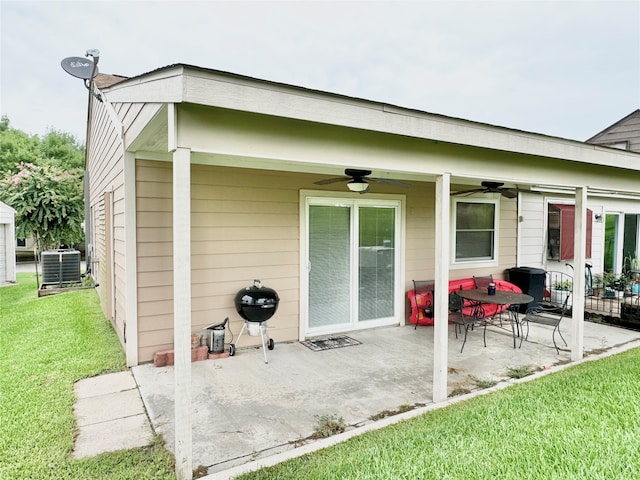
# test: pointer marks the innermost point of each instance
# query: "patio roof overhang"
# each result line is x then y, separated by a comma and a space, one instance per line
184, 84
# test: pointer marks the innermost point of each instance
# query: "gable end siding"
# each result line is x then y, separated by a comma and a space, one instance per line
105, 166
626, 130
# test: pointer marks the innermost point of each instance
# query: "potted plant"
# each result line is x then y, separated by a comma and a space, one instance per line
559, 292
632, 263
622, 285
632, 268
598, 285
614, 284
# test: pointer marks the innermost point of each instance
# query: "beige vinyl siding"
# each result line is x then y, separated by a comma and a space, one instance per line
420, 250
508, 237
106, 175
154, 254
420, 234
245, 226
106, 166
625, 130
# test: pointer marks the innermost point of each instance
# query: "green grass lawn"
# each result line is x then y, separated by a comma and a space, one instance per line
580, 423
47, 344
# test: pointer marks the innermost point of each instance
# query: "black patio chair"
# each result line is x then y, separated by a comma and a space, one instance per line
460, 319
482, 283
547, 314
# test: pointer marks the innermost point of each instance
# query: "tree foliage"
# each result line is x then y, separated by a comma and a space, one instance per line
48, 202
16, 147
42, 180
62, 149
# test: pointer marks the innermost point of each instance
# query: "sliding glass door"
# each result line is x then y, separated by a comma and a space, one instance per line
330, 261
352, 263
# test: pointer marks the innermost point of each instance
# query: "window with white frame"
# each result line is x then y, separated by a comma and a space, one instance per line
475, 231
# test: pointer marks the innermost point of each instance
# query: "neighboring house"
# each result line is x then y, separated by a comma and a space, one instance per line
233, 162
621, 220
25, 248
7, 244
624, 134
614, 216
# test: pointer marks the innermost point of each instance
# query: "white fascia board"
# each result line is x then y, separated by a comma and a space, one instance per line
166, 88
290, 102
217, 89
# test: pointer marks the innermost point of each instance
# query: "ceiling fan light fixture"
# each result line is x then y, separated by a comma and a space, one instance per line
358, 185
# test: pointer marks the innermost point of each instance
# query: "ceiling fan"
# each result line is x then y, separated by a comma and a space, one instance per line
359, 180
491, 187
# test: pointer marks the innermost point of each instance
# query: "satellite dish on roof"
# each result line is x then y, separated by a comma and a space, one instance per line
79, 67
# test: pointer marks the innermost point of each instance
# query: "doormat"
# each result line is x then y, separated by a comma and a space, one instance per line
330, 343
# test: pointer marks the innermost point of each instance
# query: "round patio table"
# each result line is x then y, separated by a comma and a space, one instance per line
500, 298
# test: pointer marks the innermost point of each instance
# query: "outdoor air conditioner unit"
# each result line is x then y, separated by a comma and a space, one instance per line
60, 266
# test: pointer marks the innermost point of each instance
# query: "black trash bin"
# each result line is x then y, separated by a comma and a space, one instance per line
531, 281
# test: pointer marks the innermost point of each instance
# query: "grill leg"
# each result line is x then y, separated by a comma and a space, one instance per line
244, 325
264, 345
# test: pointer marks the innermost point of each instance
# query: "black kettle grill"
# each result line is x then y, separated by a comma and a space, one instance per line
256, 305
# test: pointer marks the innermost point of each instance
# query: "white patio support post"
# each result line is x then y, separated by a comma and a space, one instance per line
182, 311
579, 255
131, 267
441, 291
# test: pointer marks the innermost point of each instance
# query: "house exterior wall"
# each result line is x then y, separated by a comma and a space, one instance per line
420, 262
112, 126
245, 225
27, 248
106, 185
105, 166
254, 143
533, 228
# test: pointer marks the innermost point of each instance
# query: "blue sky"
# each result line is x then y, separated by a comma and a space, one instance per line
567, 69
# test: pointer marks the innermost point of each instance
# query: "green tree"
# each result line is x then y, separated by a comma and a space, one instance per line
62, 149
42, 180
48, 202
56, 147
16, 147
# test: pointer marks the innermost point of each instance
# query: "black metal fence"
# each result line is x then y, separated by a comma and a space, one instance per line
608, 297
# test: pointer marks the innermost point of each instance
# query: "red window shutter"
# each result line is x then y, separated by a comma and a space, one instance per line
567, 221
567, 225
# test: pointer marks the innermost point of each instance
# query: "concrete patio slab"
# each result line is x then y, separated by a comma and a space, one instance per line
244, 409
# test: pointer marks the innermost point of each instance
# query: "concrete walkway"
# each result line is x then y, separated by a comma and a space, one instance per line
110, 415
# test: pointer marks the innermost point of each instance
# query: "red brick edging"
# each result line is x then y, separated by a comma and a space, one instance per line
162, 358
